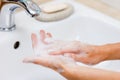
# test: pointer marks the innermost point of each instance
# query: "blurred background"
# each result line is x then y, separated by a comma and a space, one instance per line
108, 7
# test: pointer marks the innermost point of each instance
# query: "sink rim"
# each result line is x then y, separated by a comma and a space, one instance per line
80, 10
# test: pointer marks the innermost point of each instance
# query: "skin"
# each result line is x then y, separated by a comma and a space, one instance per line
68, 53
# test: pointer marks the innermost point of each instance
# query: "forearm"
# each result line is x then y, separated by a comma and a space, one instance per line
85, 73
111, 50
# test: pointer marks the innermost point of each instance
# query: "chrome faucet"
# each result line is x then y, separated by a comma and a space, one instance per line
7, 9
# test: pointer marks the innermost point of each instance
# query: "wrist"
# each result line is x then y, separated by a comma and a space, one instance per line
94, 54
70, 72
112, 50
99, 53
103, 52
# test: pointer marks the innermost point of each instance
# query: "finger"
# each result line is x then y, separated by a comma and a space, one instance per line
84, 59
49, 35
61, 52
34, 40
42, 35
38, 60
68, 55
75, 57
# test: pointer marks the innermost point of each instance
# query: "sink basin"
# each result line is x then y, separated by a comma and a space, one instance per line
86, 25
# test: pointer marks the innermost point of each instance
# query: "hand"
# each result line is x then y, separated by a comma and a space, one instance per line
58, 63
44, 45
88, 54
60, 60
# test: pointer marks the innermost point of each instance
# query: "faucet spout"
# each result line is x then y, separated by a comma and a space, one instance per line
7, 9
31, 7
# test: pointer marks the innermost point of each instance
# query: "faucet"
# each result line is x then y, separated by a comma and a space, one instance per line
7, 9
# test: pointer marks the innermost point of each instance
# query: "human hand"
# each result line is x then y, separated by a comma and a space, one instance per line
85, 53
60, 60
58, 63
46, 44
88, 54
62, 55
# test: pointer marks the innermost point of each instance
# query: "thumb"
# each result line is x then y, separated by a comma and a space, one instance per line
37, 60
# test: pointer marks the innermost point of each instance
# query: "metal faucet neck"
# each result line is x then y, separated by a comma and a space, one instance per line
7, 9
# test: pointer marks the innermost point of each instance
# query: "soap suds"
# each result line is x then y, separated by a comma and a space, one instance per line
82, 54
49, 40
43, 50
56, 62
50, 46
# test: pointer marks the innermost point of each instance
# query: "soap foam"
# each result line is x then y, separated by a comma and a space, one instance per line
50, 46
82, 54
56, 61
53, 45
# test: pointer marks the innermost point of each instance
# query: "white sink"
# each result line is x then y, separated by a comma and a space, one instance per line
85, 24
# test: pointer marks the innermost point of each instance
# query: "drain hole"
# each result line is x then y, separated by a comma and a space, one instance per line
16, 45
